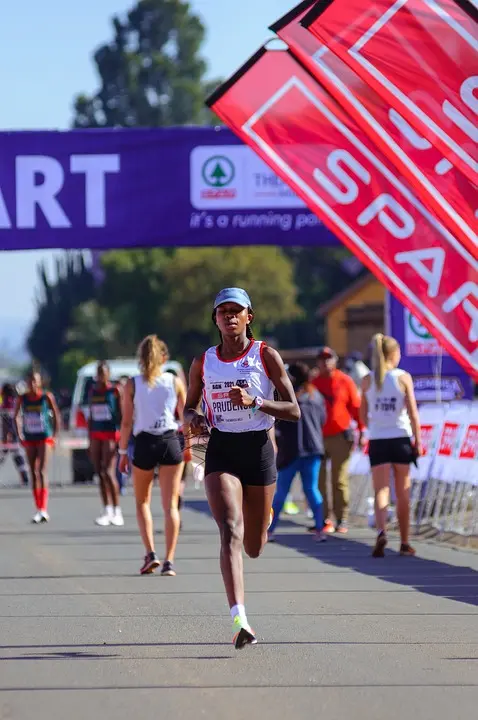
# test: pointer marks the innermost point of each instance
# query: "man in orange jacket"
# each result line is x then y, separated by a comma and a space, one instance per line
343, 403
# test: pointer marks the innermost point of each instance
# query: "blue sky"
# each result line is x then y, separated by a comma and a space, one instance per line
45, 58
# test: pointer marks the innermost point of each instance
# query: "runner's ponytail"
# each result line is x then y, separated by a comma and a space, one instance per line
152, 354
383, 347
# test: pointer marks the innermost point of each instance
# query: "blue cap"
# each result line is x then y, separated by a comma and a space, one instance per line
234, 295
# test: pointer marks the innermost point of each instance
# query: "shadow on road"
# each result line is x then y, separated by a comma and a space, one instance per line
427, 576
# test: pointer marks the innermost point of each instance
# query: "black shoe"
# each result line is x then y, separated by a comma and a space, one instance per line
168, 569
380, 545
243, 638
406, 550
151, 562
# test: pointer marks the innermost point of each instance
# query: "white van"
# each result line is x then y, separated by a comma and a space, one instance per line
121, 368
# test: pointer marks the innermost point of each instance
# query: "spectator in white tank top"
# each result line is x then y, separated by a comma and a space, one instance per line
153, 407
390, 410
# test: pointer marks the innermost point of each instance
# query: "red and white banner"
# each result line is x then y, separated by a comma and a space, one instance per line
450, 443
421, 56
278, 109
441, 186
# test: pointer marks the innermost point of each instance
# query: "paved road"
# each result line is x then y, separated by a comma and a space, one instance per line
83, 636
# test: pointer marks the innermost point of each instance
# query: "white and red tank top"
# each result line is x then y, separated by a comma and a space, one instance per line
219, 376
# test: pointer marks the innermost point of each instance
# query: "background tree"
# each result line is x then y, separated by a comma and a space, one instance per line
56, 303
151, 73
194, 278
170, 292
319, 274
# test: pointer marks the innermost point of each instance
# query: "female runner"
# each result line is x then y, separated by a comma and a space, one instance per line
152, 402
41, 422
390, 410
237, 380
104, 424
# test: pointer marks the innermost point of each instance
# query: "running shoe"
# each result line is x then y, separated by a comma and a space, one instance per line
244, 636
320, 536
150, 564
407, 550
380, 545
329, 527
290, 508
167, 570
117, 518
104, 520
271, 519
342, 528
44, 516
36, 519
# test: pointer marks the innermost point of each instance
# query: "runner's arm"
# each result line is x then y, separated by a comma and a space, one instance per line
56, 413
407, 384
127, 412
16, 415
364, 401
287, 408
119, 395
181, 396
192, 417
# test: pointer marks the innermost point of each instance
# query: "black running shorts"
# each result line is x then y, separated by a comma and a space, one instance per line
395, 451
152, 450
249, 456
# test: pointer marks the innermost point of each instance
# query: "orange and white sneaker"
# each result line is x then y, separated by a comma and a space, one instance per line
243, 636
271, 519
342, 528
329, 527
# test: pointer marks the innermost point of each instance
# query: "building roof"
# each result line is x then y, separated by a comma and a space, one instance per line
344, 295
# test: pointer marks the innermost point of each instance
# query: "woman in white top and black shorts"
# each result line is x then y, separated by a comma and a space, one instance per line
390, 410
236, 382
153, 406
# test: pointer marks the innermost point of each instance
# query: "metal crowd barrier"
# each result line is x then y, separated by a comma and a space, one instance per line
444, 493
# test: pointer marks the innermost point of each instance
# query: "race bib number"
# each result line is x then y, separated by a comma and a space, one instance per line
159, 426
101, 413
223, 409
386, 405
33, 424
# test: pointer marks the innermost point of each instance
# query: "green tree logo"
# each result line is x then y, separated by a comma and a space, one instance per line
218, 171
418, 329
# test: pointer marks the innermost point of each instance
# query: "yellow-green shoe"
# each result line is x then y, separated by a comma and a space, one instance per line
243, 636
290, 508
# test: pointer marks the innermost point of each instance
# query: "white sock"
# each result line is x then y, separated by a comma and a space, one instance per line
240, 611
109, 510
117, 510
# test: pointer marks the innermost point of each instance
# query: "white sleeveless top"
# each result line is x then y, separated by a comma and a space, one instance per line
388, 416
155, 405
219, 376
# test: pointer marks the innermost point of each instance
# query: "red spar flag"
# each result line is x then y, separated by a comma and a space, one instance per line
278, 109
441, 186
421, 56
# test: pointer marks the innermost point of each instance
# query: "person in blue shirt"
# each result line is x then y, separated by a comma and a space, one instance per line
300, 449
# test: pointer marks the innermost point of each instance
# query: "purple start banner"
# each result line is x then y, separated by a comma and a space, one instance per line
437, 377
141, 188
